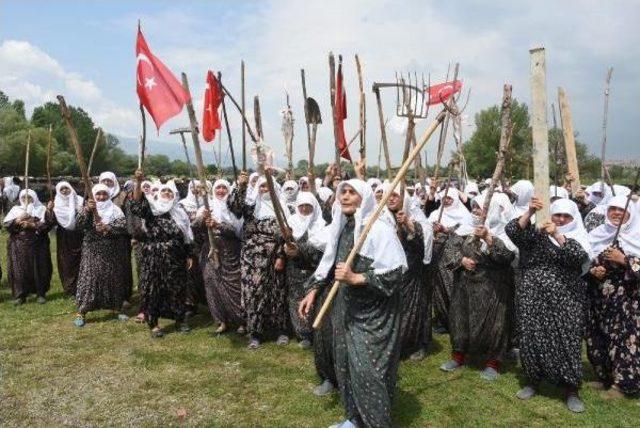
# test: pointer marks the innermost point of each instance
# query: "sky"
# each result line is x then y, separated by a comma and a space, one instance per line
85, 50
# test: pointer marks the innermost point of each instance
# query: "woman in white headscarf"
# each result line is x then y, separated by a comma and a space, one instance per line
523, 190
598, 195
66, 206
302, 258
416, 236
221, 282
105, 271
481, 298
455, 223
290, 192
613, 322
110, 180
264, 294
366, 311
28, 254
550, 298
194, 200
165, 257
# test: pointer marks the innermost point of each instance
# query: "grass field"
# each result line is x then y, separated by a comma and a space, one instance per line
112, 373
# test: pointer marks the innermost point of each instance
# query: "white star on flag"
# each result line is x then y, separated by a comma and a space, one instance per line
149, 83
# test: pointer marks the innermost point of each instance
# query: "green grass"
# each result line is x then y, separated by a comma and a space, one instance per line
112, 373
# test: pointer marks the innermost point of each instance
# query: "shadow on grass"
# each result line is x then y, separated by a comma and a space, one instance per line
406, 408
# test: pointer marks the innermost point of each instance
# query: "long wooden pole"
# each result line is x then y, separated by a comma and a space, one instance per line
143, 139
540, 131
381, 205
566, 122
26, 161
94, 150
445, 126
48, 165
226, 125
73, 135
244, 128
383, 131
310, 171
202, 175
604, 126
363, 113
332, 92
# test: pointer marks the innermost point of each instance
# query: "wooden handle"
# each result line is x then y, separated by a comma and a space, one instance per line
383, 202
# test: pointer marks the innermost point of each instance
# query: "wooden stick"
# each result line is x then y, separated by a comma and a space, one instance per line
556, 142
244, 128
73, 136
540, 131
566, 122
445, 126
604, 125
26, 161
506, 127
332, 92
143, 139
258, 117
93, 151
383, 131
48, 165
226, 124
363, 113
213, 249
383, 203
310, 171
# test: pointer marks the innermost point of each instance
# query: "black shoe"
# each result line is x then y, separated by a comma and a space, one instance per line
19, 301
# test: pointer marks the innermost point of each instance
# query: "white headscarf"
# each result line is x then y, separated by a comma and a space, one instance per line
318, 182
290, 191
454, 214
600, 201
524, 192
574, 229
562, 192
219, 209
381, 244
160, 206
115, 190
66, 207
263, 205
311, 223
411, 207
621, 190
24, 209
374, 183
324, 193
501, 211
629, 238
107, 210
252, 190
471, 187
11, 190
192, 202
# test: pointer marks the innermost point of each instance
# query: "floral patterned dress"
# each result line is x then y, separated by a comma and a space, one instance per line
550, 306
613, 327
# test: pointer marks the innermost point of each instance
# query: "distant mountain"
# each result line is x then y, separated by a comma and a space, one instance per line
173, 150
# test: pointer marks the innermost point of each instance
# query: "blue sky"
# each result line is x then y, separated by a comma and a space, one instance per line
85, 50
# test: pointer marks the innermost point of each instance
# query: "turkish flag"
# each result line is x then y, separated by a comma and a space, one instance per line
340, 102
442, 91
212, 100
159, 91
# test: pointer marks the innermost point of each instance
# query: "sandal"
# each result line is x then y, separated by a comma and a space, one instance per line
79, 321
157, 333
222, 328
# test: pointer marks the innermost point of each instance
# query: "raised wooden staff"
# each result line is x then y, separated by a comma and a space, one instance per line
226, 125
540, 131
93, 151
66, 116
143, 138
383, 203
383, 131
445, 126
242, 112
506, 130
604, 127
566, 122
332, 92
202, 175
26, 161
48, 165
312, 118
363, 114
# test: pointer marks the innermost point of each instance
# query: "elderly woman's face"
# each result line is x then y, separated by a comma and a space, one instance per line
476, 209
394, 202
26, 199
253, 180
448, 201
304, 186
65, 190
166, 194
617, 215
263, 188
350, 200
221, 191
107, 182
305, 209
102, 196
561, 219
146, 188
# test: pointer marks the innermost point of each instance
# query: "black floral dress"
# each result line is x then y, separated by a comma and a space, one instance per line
163, 265
480, 301
592, 220
613, 326
103, 279
264, 293
441, 276
550, 306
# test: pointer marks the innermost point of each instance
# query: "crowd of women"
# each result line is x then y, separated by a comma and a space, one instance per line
435, 261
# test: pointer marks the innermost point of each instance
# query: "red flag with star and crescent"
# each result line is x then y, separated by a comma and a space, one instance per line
159, 91
341, 114
212, 102
442, 91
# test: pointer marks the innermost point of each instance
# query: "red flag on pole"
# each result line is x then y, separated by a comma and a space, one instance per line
341, 114
212, 101
159, 91
442, 91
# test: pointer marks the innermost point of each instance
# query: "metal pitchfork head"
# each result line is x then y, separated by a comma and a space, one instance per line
410, 98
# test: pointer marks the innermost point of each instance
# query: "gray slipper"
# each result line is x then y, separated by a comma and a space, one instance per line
283, 340
324, 388
575, 404
490, 374
450, 366
526, 392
